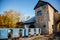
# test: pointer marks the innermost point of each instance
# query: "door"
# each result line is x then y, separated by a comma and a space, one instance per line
58, 27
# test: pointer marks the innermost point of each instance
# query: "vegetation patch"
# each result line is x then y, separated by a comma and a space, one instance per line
50, 39
37, 38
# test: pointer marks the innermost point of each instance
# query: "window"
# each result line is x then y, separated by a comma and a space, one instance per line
44, 26
53, 26
39, 13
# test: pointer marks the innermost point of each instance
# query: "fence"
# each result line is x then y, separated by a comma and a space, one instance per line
18, 32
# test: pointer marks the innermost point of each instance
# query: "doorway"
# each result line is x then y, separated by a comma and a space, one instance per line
31, 26
58, 27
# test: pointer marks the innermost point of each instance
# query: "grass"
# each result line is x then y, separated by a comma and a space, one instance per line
50, 39
37, 38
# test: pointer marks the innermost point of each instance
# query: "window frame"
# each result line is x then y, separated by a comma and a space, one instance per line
39, 13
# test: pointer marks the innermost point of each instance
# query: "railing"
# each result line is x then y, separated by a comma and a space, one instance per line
18, 32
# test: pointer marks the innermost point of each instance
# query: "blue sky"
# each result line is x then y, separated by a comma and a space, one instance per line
25, 7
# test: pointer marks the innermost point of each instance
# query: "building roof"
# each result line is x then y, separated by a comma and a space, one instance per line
32, 20
41, 3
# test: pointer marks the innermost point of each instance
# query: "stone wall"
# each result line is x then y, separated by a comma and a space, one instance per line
43, 19
47, 18
51, 19
56, 20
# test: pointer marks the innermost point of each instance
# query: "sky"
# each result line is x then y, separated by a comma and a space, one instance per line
25, 7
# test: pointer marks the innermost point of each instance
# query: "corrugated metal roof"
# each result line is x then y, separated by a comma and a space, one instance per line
33, 19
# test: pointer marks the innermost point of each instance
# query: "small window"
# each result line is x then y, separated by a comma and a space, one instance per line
39, 13
44, 26
53, 26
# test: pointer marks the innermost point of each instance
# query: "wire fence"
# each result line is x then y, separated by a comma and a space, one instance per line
13, 33
6, 33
